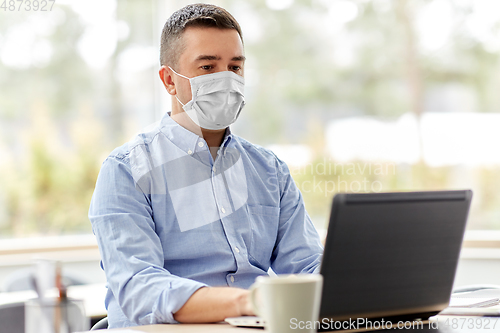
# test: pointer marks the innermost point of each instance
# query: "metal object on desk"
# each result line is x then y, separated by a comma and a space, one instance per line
47, 314
51, 315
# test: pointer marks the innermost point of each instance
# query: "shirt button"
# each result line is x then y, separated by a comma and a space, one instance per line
237, 250
200, 144
213, 169
232, 278
190, 151
222, 210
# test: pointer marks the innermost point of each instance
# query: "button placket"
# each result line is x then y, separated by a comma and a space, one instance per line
223, 202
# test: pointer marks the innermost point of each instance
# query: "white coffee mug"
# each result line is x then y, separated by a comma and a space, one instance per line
288, 303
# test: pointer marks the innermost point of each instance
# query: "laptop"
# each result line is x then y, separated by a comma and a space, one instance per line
390, 256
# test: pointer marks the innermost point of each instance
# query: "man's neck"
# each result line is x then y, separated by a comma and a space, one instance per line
212, 137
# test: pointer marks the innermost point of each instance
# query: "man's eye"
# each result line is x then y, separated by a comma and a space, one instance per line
206, 67
235, 68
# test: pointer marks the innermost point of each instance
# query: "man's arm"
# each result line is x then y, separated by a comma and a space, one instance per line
209, 305
131, 251
298, 247
132, 256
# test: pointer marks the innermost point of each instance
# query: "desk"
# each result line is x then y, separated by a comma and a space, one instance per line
189, 328
461, 324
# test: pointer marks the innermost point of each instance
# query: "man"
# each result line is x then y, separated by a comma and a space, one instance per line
187, 214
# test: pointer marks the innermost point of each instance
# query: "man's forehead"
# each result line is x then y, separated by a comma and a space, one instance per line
210, 44
212, 39
201, 30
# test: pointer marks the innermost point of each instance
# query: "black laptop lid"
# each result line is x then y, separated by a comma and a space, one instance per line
392, 254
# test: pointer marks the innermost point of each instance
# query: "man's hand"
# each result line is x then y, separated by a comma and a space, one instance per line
214, 304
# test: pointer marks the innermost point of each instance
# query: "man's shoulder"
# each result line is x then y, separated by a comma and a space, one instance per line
139, 156
142, 141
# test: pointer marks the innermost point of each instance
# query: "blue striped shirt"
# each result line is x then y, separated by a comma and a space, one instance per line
169, 220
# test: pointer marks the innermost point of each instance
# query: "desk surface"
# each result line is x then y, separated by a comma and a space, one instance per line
188, 328
446, 324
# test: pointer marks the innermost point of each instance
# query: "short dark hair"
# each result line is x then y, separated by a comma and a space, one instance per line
195, 15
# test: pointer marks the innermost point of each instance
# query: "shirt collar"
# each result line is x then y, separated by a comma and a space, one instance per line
185, 139
228, 137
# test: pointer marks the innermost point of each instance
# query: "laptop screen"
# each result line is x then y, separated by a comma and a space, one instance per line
392, 254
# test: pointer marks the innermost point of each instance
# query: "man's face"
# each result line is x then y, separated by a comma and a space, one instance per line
207, 50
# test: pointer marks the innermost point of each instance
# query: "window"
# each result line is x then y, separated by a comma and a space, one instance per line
354, 95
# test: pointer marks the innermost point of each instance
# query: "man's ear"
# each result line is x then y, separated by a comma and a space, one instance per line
166, 77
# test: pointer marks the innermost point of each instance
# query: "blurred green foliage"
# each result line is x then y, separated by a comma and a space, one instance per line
59, 119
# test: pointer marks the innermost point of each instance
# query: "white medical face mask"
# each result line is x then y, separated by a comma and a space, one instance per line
217, 99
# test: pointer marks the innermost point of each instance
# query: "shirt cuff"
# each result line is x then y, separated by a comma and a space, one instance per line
174, 297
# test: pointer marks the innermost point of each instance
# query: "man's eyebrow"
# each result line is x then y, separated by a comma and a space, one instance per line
239, 58
213, 57
207, 57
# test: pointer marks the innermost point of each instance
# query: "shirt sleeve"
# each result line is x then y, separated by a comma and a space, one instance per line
298, 247
131, 251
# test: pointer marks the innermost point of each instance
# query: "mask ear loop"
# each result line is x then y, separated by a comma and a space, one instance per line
179, 74
178, 100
